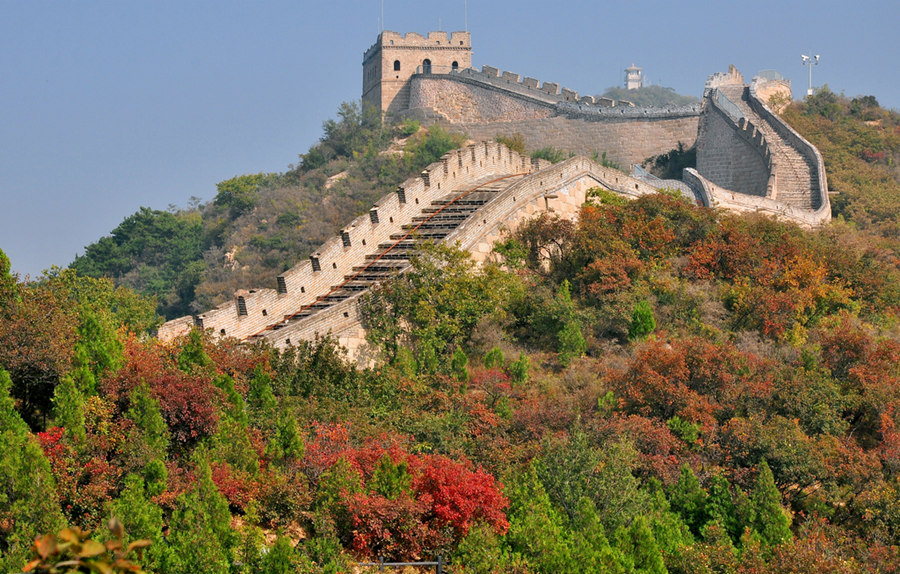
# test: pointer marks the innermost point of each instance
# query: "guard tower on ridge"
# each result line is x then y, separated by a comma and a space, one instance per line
394, 58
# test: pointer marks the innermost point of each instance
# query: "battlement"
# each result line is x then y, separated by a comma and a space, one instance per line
253, 311
548, 92
388, 39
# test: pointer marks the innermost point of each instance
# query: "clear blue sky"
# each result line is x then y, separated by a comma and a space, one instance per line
109, 106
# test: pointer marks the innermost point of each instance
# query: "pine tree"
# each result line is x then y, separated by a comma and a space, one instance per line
688, 499
142, 518
494, 358
390, 480
458, 365
201, 537
590, 546
571, 342
68, 409
518, 370
286, 442
720, 507
148, 420
261, 400
280, 559
98, 349
28, 500
769, 519
250, 551
536, 532
642, 321
640, 548
193, 356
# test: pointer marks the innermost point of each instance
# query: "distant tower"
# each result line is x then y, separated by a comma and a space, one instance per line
634, 77
394, 58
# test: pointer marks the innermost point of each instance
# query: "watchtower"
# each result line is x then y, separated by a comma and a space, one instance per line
634, 77
394, 58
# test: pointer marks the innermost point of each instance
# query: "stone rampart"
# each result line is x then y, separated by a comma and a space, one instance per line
809, 152
483, 105
731, 151
560, 188
720, 198
251, 312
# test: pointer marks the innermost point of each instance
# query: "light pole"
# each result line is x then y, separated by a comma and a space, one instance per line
810, 61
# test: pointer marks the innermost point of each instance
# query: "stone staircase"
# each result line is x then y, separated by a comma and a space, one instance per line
795, 183
434, 223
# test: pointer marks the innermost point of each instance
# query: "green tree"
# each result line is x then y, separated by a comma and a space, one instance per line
150, 426
536, 530
688, 499
640, 548
590, 546
68, 410
142, 519
769, 519
240, 193
280, 559
518, 369
200, 529
642, 321
29, 504
458, 365
494, 358
286, 442
390, 479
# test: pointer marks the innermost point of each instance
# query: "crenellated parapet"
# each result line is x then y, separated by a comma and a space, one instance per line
304, 285
749, 159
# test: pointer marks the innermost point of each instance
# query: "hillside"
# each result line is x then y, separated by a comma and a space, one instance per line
655, 387
678, 390
259, 225
652, 96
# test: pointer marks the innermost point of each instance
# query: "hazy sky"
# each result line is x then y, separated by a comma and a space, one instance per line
109, 106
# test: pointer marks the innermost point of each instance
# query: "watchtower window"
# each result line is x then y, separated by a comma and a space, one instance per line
345, 238
282, 285
242, 306
373, 215
315, 263
454, 66
426, 66
396, 65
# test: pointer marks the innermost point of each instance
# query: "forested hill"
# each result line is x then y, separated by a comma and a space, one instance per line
655, 387
259, 225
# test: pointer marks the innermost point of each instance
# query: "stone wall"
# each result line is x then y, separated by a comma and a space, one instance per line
464, 104
810, 153
560, 188
386, 87
731, 152
719, 198
254, 311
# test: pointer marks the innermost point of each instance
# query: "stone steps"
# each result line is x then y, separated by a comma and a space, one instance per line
794, 181
435, 221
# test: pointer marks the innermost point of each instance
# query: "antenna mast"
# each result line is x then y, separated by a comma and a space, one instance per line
466, 11
382, 15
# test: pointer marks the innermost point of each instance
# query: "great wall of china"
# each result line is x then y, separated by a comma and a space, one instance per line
748, 159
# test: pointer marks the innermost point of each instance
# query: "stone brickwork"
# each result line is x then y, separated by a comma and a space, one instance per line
394, 58
303, 286
731, 151
743, 147
560, 188
489, 103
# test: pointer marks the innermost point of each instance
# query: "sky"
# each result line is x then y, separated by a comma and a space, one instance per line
108, 106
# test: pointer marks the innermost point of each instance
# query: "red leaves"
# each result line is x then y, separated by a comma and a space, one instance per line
460, 496
445, 499
187, 402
